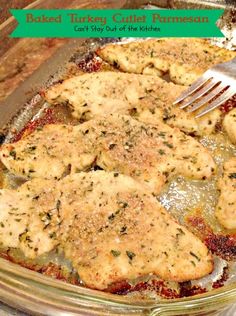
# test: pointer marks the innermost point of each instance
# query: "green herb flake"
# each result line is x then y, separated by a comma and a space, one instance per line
180, 230
130, 254
162, 134
58, 205
194, 255
123, 230
111, 146
111, 217
12, 153
168, 144
52, 235
123, 204
115, 253
36, 197
31, 148
161, 152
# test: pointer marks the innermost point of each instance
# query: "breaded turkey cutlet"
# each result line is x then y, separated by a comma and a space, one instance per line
229, 125
109, 226
185, 59
226, 207
148, 98
150, 153
48, 153
25, 214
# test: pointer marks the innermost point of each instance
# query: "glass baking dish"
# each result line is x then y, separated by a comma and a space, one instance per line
39, 294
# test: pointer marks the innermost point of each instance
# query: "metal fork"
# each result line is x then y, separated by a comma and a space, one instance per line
214, 87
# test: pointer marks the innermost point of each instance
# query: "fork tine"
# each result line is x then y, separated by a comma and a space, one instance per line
217, 102
196, 85
207, 97
199, 93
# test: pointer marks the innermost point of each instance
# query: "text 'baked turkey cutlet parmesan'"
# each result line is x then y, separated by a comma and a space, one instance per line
152, 154
109, 226
184, 59
148, 98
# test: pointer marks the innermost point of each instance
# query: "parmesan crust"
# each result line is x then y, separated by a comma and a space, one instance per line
226, 207
48, 153
185, 59
149, 153
229, 124
109, 226
25, 216
148, 98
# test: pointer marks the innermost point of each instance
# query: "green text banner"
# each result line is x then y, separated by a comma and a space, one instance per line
116, 23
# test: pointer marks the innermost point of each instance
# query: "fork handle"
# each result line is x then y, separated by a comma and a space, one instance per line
228, 68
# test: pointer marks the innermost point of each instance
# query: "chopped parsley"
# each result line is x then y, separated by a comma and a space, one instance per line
115, 253
194, 255
111, 217
12, 153
123, 230
168, 144
111, 146
161, 152
130, 254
